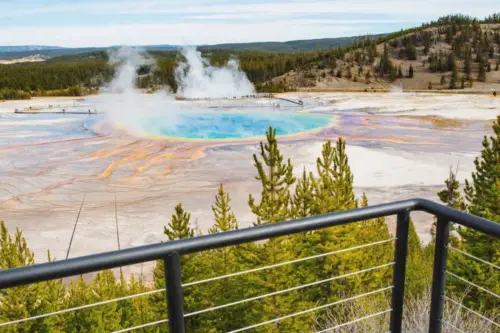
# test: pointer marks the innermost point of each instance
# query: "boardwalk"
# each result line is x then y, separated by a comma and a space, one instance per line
89, 112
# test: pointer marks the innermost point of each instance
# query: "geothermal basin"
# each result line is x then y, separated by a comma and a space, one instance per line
126, 183
221, 125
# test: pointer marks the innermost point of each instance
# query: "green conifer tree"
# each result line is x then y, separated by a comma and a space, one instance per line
451, 195
482, 195
276, 177
225, 219
454, 78
222, 262
419, 265
482, 74
334, 188
467, 67
410, 72
21, 302
178, 228
303, 199
103, 318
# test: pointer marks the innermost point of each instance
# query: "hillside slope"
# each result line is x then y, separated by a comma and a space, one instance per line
455, 53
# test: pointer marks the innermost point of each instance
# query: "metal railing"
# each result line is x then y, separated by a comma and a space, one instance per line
170, 252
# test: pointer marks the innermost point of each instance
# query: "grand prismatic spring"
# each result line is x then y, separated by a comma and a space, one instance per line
128, 168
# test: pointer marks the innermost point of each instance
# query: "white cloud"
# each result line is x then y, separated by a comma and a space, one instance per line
427, 8
170, 33
218, 21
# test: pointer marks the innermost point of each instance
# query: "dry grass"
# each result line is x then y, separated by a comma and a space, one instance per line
416, 318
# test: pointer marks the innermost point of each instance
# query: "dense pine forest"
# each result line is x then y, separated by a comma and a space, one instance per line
450, 53
283, 197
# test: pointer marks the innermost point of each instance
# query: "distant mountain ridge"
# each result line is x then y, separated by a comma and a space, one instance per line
291, 46
28, 48
13, 52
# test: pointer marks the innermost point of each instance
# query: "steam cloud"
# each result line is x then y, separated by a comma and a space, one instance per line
196, 78
125, 106
129, 108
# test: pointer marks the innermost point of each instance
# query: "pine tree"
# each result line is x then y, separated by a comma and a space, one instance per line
303, 199
454, 78
21, 302
53, 299
334, 188
276, 178
400, 72
467, 67
452, 64
482, 195
178, 228
429, 86
410, 72
419, 265
275, 181
451, 195
368, 232
135, 311
385, 63
482, 74
393, 74
225, 219
221, 262
96, 319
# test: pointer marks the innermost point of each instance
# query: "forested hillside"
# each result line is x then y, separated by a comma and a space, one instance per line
454, 52
329, 278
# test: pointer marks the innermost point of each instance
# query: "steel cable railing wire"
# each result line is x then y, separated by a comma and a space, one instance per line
473, 312
55, 313
474, 257
355, 321
453, 326
311, 310
287, 290
254, 270
153, 323
473, 284
18, 321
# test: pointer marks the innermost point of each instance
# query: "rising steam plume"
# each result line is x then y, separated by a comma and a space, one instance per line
196, 78
128, 108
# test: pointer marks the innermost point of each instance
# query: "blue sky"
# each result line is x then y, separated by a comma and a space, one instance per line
78, 23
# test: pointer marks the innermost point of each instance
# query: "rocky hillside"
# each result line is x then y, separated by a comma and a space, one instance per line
456, 52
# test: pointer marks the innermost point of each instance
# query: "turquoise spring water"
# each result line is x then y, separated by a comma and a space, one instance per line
232, 125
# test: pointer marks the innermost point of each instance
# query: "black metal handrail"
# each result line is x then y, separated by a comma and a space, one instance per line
171, 251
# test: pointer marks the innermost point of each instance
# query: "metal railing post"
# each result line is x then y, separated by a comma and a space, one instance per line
401, 251
439, 275
175, 301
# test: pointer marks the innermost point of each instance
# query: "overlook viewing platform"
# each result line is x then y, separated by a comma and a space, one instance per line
172, 252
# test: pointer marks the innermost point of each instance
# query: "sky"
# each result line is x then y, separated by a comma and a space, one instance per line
76, 23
